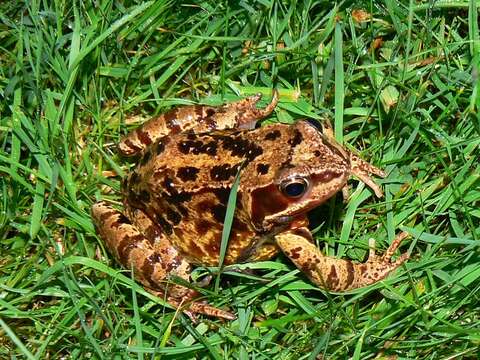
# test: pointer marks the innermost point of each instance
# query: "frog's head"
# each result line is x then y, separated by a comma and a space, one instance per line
305, 174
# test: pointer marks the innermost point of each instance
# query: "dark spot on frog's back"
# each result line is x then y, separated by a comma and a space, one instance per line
183, 210
223, 172
168, 185
188, 173
210, 119
146, 157
332, 278
222, 194
197, 147
210, 148
181, 197
144, 196
296, 139
241, 147
184, 146
295, 253
218, 212
160, 146
104, 216
253, 152
203, 226
173, 127
205, 206
171, 121
198, 110
152, 233
272, 135
172, 193
262, 169
164, 224
173, 216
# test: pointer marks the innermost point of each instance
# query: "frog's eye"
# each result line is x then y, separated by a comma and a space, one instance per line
295, 187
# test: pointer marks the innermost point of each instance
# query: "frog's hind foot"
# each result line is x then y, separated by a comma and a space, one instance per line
191, 308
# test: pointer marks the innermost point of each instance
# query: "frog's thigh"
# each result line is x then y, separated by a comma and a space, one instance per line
152, 258
196, 118
338, 274
173, 262
149, 253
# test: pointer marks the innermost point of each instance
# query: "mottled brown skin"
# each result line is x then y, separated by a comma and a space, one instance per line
175, 199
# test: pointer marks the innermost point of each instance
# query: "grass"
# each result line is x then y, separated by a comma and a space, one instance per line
400, 81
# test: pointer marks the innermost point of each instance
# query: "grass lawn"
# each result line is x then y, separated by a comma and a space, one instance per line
399, 81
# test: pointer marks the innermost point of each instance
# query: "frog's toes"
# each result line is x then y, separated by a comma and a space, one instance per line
385, 258
197, 307
378, 267
394, 246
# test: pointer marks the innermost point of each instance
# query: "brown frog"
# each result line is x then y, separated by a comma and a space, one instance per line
175, 199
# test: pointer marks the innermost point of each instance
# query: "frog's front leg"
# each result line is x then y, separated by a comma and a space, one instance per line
151, 256
337, 274
242, 114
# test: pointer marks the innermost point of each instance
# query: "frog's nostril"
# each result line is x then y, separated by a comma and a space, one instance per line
284, 220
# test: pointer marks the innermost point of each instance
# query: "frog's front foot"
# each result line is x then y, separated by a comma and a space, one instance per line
338, 274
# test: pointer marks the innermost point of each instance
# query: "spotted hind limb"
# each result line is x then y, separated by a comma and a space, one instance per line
150, 256
337, 274
242, 114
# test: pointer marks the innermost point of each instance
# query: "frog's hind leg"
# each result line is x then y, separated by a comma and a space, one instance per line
242, 114
151, 256
338, 274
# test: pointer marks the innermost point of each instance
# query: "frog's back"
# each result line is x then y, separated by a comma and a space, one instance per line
183, 182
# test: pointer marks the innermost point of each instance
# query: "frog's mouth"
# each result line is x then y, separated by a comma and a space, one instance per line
298, 222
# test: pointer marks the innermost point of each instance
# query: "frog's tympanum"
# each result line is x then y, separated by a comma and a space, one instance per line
175, 199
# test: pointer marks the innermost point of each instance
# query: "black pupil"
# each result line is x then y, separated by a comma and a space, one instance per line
294, 189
